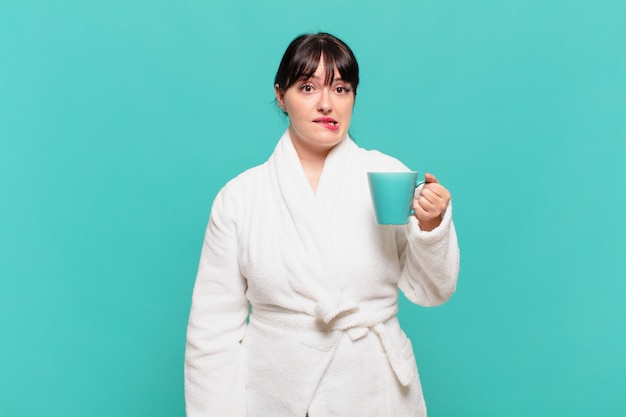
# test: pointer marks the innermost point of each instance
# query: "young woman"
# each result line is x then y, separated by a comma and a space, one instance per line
296, 240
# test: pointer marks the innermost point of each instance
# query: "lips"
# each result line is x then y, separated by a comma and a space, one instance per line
327, 122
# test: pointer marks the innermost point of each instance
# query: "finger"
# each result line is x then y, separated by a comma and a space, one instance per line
424, 210
430, 178
434, 199
435, 190
426, 201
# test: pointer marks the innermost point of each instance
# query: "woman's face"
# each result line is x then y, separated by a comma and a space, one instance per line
319, 114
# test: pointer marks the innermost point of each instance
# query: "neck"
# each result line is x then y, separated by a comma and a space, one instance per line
313, 171
312, 162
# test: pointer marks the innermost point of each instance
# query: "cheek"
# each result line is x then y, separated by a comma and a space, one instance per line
295, 115
346, 111
347, 107
294, 108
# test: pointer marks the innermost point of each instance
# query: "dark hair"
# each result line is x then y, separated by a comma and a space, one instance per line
303, 55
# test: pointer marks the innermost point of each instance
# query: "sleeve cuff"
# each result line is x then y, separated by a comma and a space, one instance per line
424, 237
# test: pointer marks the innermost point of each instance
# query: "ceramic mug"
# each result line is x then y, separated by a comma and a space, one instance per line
392, 195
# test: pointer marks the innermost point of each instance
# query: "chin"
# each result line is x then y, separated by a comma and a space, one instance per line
334, 141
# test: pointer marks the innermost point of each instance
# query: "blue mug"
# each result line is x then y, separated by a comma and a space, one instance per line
392, 195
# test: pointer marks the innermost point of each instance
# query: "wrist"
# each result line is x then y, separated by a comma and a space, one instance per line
428, 225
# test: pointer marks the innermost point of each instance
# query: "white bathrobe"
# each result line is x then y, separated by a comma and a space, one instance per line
322, 281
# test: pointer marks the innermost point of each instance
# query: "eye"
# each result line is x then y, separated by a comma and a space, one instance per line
343, 90
307, 88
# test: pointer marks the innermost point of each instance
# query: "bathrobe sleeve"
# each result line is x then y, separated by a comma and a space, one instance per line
429, 261
214, 358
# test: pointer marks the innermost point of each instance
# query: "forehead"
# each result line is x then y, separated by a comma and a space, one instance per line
324, 72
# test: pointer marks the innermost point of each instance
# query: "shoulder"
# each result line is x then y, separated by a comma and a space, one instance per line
231, 204
241, 185
373, 160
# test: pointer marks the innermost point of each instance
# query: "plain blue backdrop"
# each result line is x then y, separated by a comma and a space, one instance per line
120, 121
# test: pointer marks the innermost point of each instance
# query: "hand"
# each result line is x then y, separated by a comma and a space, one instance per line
430, 204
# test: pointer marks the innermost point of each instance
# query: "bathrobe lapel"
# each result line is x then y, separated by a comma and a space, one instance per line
310, 215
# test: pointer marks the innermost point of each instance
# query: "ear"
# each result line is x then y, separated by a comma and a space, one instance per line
280, 96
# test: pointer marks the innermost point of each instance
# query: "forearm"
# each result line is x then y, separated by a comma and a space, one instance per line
430, 262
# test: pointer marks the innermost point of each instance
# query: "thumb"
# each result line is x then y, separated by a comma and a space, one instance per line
430, 178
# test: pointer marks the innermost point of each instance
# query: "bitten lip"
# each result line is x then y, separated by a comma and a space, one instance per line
325, 120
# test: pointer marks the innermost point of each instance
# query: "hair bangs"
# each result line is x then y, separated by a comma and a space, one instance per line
303, 57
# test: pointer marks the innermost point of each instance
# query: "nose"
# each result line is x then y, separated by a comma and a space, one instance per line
324, 104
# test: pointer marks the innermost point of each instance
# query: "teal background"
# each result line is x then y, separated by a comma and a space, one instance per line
120, 120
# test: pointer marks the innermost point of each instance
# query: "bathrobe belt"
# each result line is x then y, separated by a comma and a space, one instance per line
348, 319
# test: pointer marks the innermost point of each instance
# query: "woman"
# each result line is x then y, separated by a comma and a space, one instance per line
296, 240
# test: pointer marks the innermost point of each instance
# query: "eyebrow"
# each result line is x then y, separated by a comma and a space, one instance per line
336, 79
